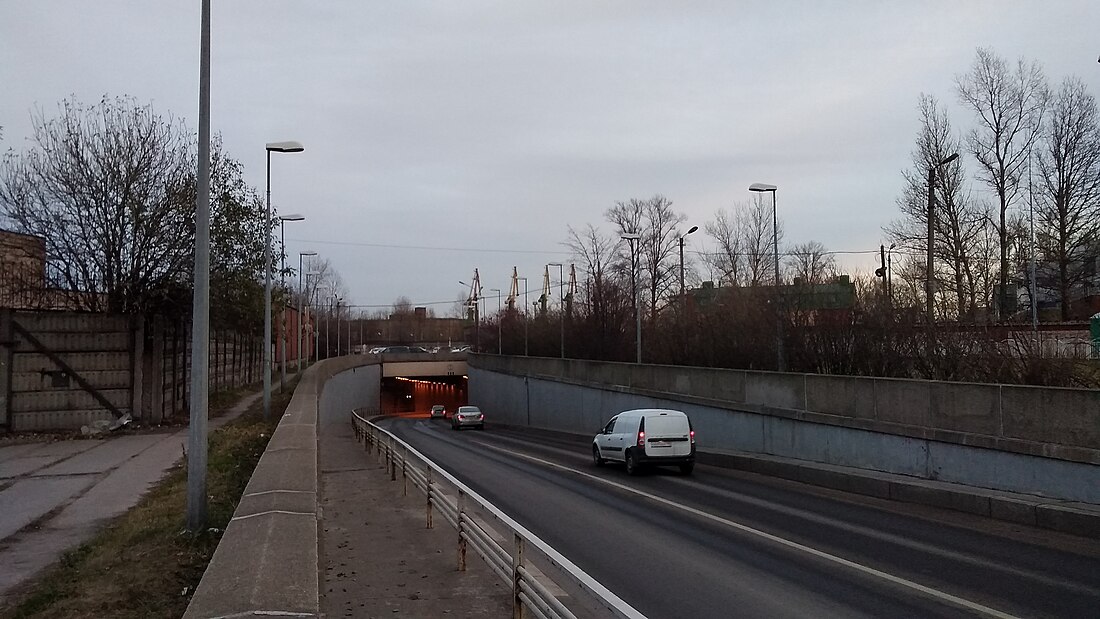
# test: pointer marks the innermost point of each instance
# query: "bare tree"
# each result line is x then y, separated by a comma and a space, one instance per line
657, 223
729, 260
1069, 191
811, 263
1009, 104
758, 241
958, 221
105, 185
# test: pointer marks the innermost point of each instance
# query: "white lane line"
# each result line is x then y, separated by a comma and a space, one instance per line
935, 593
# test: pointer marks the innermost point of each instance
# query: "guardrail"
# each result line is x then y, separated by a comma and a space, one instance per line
461, 508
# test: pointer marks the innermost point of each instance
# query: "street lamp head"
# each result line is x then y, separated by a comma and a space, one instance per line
307, 253
950, 158
630, 236
692, 230
292, 217
761, 187
285, 147
893, 245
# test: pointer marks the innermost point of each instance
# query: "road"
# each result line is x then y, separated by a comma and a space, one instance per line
725, 543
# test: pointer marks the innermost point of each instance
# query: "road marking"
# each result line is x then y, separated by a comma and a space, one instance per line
935, 593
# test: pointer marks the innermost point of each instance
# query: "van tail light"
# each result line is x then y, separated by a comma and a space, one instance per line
692, 435
641, 438
481, 416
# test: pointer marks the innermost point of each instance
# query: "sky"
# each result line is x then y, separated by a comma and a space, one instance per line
441, 137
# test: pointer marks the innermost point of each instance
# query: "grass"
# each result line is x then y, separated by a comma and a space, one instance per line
144, 564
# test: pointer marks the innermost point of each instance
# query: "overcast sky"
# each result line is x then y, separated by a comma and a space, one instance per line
446, 136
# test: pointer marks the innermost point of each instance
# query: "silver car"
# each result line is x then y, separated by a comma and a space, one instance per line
468, 416
439, 411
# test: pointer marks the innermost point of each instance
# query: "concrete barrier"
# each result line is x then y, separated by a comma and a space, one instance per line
266, 562
1033, 440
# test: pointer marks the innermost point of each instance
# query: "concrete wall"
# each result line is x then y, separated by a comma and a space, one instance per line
1021, 439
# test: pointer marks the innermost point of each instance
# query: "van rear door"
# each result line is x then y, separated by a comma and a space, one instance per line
667, 434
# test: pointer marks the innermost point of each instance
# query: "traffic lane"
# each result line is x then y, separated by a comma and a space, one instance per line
1004, 567
665, 562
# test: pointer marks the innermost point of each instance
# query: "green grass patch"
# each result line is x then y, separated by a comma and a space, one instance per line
144, 564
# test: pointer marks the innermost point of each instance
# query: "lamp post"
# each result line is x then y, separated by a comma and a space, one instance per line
272, 147
682, 292
890, 274
200, 302
929, 288
630, 237
338, 300
500, 332
561, 302
301, 303
779, 360
282, 286
524, 315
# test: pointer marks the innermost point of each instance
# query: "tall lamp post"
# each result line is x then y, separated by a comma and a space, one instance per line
630, 237
561, 302
282, 286
682, 291
272, 147
338, 300
929, 284
500, 332
779, 360
301, 303
524, 315
200, 302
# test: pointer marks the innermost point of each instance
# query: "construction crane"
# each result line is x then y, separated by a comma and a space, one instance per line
545, 298
475, 294
513, 290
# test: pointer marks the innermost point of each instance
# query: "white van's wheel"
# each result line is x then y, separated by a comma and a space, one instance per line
596, 459
631, 463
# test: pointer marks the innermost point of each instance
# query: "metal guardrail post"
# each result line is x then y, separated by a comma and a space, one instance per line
428, 498
461, 538
393, 460
517, 561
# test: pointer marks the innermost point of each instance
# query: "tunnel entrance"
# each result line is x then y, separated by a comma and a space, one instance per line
416, 396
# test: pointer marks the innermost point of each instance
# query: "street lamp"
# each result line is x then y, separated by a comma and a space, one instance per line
630, 237
282, 285
561, 301
693, 229
301, 303
765, 188
500, 332
930, 267
272, 147
890, 273
524, 315
338, 300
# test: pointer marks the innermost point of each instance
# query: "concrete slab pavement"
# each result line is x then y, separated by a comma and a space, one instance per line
378, 559
58, 494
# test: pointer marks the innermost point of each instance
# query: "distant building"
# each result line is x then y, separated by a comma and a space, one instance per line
827, 303
23, 281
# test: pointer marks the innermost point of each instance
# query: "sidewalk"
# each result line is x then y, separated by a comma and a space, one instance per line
378, 559
55, 496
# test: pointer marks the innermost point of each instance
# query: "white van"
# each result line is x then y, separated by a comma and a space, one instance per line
647, 436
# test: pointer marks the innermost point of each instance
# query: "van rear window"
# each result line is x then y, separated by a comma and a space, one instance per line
661, 425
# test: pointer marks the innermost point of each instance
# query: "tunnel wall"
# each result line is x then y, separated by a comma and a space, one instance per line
579, 397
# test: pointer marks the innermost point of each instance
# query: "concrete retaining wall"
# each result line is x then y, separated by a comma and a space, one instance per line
1020, 439
267, 562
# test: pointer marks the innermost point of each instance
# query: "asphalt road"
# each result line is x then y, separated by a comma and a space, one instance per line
725, 543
